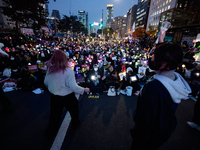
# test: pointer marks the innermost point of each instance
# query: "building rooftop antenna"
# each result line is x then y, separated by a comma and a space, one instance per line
70, 9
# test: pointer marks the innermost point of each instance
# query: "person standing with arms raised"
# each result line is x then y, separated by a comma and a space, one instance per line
155, 118
60, 81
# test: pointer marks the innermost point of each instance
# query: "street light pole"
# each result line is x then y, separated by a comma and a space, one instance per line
102, 23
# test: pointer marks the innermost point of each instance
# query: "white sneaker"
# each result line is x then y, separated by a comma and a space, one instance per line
118, 91
193, 125
123, 92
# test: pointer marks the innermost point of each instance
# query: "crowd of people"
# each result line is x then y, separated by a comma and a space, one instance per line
96, 63
101, 66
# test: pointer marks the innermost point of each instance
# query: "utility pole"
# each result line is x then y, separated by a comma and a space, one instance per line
131, 17
102, 23
70, 10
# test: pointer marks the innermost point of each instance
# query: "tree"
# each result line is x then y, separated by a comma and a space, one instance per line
64, 24
25, 12
139, 32
152, 31
71, 23
93, 35
108, 32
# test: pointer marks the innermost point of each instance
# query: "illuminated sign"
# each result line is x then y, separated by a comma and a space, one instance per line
96, 23
109, 5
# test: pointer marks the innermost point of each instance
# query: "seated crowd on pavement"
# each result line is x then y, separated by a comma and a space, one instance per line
113, 67
97, 64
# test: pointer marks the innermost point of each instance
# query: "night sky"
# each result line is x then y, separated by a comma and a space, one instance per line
93, 7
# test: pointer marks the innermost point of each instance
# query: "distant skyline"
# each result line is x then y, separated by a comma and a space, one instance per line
93, 7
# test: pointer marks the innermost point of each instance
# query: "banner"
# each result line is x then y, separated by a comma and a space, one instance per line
27, 31
46, 29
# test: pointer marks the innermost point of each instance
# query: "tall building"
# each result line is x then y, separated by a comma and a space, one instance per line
55, 13
192, 6
185, 21
5, 22
142, 13
46, 7
83, 17
109, 15
92, 30
119, 25
156, 8
131, 18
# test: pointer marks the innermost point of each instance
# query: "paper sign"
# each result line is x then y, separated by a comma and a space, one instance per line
32, 68
142, 69
10, 84
121, 75
71, 64
137, 93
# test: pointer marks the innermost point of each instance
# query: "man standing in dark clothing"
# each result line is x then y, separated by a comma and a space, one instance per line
196, 116
3, 99
155, 114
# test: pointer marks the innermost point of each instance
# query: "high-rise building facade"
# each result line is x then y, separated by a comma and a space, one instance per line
192, 6
119, 25
92, 30
185, 21
46, 7
55, 13
156, 8
109, 15
131, 18
142, 13
6, 22
83, 18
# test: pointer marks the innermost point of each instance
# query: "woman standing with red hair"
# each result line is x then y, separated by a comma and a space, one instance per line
60, 81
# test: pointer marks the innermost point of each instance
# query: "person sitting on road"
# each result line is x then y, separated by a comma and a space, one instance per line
111, 79
94, 80
131, 79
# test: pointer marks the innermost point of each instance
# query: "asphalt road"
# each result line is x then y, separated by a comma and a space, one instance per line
105, 124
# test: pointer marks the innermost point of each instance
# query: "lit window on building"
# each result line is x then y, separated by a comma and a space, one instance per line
165, 8
169, 7
166, 1
162, 9
180, 5
163, 3
170, 1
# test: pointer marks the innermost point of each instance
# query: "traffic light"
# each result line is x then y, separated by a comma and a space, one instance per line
91, 24
101, 24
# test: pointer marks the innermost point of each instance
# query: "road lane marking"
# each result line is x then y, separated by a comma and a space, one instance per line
57, 144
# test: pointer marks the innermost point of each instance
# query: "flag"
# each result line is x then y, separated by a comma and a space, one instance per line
133, 28
118, 36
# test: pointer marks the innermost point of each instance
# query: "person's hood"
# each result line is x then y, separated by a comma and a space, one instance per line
178, 89
1, 51
1, 45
